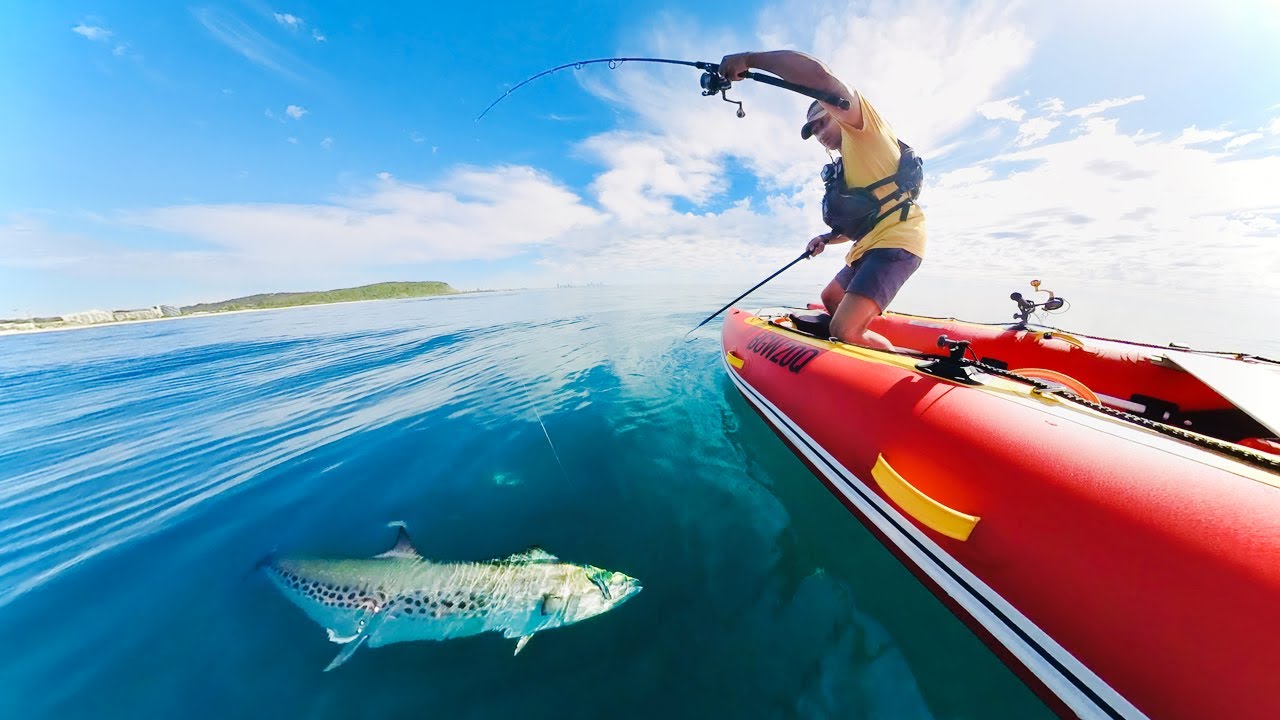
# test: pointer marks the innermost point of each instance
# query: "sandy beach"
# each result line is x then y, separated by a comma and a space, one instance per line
10, 330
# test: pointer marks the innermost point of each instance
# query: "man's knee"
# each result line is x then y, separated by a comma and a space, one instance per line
853, 316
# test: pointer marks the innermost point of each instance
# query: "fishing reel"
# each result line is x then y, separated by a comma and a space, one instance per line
1026, 307
713, 83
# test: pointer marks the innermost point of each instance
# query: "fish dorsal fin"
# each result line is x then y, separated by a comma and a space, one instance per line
403, 547
534, 554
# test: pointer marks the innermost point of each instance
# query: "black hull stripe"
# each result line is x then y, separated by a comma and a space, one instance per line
1098, 706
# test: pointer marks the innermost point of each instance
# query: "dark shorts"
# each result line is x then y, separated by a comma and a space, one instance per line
879, 274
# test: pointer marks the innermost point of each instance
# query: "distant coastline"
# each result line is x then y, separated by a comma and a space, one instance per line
248, 303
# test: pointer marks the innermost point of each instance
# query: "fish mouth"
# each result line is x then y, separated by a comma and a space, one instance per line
629, 590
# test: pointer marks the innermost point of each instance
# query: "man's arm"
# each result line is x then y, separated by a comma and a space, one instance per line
801, 69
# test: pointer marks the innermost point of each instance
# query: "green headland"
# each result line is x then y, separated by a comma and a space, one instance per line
263, 301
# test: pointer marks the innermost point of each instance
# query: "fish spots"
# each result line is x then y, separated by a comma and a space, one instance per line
337, 595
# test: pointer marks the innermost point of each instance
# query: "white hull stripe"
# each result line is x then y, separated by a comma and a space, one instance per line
1079, 688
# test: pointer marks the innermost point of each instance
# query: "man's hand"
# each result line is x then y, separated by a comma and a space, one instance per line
817, 245
732, 66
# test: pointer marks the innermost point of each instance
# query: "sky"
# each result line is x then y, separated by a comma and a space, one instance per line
175, 153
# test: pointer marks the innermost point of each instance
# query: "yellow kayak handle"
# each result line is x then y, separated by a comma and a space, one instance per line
929, 512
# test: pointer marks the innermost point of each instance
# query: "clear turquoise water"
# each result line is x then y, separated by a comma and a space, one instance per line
145, 468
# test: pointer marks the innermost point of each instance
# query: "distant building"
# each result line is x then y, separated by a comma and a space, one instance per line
148, 314
88, 317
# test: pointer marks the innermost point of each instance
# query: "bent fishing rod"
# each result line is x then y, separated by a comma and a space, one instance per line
713, 82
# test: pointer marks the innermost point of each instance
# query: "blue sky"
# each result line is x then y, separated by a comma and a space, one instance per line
173, 153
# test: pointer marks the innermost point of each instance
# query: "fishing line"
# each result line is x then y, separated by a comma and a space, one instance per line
545, 434
713, 83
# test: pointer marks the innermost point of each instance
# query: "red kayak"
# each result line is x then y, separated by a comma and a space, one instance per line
1104, 514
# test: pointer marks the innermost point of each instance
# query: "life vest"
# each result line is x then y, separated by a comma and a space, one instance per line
854, 212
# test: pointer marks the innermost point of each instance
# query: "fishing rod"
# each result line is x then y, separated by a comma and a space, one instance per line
804, 255
713, 82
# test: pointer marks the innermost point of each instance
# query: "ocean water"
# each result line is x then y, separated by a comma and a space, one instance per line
146, 468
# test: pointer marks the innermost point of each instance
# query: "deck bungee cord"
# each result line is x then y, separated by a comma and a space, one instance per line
956, 367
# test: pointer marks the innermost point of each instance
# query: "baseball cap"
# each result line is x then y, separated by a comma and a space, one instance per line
816, 111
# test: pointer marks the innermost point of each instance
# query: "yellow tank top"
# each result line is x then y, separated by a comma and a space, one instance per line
871, 154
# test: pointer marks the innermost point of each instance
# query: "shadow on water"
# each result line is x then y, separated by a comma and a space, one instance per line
180, 457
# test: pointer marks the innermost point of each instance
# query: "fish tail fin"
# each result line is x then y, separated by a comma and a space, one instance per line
262, 562
266, 559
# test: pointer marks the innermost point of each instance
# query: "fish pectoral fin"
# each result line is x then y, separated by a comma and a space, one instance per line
404, 544
347, 652
524, 640
335, 637
367, 629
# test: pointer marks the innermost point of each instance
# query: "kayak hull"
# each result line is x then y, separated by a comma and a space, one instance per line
1122, 572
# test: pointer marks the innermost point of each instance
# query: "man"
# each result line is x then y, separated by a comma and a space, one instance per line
889, 247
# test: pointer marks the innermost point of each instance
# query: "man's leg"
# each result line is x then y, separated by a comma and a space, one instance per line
876, 278
850, 320
833, 293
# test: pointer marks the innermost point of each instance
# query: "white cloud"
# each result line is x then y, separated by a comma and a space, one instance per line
120, 50
291, 140
319, 36
1104, 105
237, 35
92, 32
963, 176
1052, 106
1195, 136
1104, 205
1006, 109
295, 111
326, 143
1101, 202
1035, 130
648, 173
391, 221
293, 22
957, 59
417, 137
1241, 140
